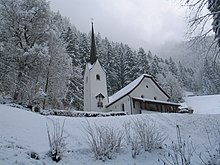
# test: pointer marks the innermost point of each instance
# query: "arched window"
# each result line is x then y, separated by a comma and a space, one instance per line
155, 98
123, 107
97, 77
100, 98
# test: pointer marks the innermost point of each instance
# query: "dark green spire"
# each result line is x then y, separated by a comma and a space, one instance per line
93, 48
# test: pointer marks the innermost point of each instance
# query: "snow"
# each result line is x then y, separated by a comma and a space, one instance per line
126, 89
90, 66
188, 94
209, 104
22, 132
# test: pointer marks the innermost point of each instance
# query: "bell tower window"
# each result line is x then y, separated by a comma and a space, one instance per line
100, 98
97, 77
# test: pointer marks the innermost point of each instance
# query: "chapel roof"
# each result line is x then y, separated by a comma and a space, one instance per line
93, 57
130, 87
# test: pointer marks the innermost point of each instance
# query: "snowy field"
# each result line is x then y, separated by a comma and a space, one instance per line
204, 104
22, 132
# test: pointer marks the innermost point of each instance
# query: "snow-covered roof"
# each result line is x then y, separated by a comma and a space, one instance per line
90, 66
127, 89
156, 101
183, 105
188, 94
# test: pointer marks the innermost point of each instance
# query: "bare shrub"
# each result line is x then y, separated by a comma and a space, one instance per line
179, 153
212, 149
132, 139
103, 140
57, 141
143, 134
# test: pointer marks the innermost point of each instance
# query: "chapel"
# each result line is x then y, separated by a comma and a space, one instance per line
142, 95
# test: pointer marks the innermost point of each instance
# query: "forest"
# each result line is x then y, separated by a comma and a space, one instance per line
43, 57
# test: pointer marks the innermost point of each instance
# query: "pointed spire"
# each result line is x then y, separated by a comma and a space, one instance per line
93, 48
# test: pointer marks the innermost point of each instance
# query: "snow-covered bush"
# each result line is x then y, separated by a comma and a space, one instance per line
212, 149
104, 141
143, 134
74, 113
132, 139
57, 141
179, 153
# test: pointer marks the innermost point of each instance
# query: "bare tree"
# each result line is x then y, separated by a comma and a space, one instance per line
203, 19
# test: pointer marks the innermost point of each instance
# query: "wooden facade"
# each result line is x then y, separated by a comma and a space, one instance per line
164, 107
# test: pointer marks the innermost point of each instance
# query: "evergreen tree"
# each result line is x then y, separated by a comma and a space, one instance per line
172, 67
108, 61
171, 85
120, 66
154, 66
131, 67
143, 63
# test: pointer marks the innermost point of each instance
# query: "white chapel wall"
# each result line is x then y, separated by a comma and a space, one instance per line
117, 106
87, 89
98, 86
147, 89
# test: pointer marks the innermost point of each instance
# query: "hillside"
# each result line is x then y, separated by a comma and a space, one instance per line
23, 131
208, 104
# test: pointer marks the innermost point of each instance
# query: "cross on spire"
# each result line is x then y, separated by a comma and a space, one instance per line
93, 47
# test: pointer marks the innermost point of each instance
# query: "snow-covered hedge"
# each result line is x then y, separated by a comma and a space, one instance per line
80, 113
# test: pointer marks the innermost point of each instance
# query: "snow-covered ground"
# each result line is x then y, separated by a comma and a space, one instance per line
209, 104
22, 131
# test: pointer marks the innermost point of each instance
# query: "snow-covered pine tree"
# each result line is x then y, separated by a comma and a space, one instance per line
119, 66
171, 85
143, 63
74, 96
154, 66
131, 65
108, 61
172, 67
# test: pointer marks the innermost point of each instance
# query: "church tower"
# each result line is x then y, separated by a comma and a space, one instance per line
95, 86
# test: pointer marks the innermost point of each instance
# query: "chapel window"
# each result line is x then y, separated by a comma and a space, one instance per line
123, 107
100, 104
97, 77
100, 98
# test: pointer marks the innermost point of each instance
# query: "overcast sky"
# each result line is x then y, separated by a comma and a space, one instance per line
139, 23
